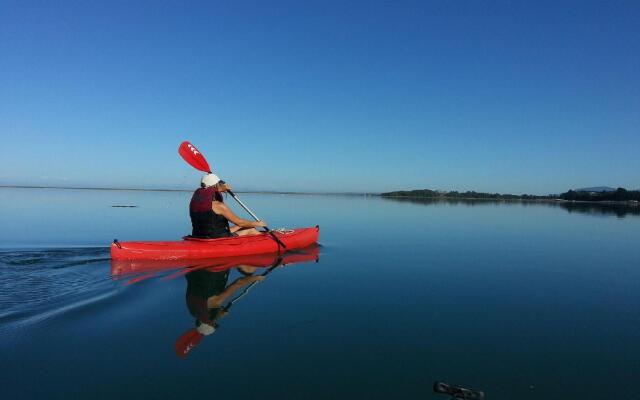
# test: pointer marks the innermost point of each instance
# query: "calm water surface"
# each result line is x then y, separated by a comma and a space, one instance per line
522, 301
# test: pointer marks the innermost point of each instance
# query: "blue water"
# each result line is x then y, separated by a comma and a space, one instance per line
523, 301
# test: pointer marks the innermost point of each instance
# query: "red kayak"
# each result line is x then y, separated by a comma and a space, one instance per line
121, 268
192, 248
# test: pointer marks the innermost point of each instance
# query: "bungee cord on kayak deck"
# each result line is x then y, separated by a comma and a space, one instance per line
283, 231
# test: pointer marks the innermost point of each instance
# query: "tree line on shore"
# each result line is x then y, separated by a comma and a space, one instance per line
620, 194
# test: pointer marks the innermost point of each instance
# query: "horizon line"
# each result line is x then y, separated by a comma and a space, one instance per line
187, 190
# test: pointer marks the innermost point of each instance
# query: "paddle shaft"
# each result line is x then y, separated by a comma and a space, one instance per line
266, 228
246, 290
245, 207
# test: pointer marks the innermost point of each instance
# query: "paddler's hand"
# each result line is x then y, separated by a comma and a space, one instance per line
259, 224
227, 187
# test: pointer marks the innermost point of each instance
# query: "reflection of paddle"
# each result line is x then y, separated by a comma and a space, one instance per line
275, 265
195, 158
187, 341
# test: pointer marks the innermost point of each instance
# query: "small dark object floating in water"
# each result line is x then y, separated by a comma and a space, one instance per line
119, 206
458, 392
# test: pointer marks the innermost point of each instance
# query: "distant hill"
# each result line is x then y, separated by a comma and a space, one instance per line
596, 189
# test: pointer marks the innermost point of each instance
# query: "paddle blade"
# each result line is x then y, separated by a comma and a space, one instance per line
193, 156
187, 341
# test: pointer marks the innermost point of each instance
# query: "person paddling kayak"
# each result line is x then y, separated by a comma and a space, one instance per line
210, 217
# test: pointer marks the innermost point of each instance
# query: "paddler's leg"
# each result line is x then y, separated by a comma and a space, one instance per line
247, 232
246, 270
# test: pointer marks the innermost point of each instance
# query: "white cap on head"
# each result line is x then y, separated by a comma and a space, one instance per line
205, 330
210, 180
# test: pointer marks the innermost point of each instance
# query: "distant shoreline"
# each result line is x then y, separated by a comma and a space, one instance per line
90, 188
626, 203
617, 196
380, 195
189, 190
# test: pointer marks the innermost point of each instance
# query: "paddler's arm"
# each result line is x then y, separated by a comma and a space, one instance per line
218, 300
222, 209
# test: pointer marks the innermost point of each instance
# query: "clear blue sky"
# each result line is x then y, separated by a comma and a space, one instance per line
499, 96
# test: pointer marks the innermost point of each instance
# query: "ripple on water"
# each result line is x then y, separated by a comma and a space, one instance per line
37, 284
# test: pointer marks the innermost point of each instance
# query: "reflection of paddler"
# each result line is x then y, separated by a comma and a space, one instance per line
208, 296
207, 292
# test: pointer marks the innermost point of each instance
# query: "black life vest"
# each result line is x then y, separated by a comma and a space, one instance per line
206, 223
201, 285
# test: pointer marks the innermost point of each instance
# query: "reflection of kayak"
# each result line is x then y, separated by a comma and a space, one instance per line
190, 248
127, 267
